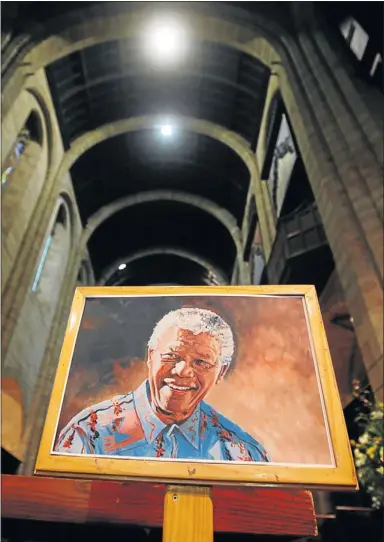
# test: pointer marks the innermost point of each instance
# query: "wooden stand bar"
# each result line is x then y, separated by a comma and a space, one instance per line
235, 509
188, 514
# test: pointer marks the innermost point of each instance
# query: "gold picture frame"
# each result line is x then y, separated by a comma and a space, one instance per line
338, 474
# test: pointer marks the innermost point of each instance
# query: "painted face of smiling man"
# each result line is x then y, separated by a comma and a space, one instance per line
189, 352
183, 368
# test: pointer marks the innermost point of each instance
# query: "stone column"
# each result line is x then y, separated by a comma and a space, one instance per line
39, 404
342, 168
235, 274
28, 250
265, 212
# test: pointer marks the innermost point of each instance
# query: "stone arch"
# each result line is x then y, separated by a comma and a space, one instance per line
235, 142
186, 254
222, 215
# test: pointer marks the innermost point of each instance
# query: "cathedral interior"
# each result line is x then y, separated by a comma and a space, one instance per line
189, 143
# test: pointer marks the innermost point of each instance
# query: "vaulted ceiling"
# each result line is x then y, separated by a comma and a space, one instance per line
146, 160
103, 83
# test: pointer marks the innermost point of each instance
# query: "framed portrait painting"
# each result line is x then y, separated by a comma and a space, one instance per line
200, 385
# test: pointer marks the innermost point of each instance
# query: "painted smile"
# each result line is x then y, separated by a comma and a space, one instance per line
177, 387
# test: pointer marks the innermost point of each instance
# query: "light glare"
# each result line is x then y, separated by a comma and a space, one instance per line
166, 130
166, 42
122, 266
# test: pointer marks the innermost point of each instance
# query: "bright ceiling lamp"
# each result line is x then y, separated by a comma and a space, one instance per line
166, 41
122, 266
166, 130
166, 127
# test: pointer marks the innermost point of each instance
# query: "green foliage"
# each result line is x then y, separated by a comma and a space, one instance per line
368, 451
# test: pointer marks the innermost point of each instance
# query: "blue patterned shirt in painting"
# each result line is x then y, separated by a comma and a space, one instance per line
127, 426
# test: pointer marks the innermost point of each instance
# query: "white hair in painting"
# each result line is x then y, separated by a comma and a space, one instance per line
197, 321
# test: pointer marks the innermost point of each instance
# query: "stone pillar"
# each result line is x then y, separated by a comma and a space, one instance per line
247, 213
243, 276
267, 227
342, 167
235, 274
265, 212
27, 253
39, 404
269, 211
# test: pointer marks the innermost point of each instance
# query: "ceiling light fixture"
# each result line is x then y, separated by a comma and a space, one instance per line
122, 266
166, 130
166, 41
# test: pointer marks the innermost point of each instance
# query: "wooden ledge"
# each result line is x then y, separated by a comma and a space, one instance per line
243, 510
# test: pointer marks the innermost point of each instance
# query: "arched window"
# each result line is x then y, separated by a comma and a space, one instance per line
53, 260
32, 330
24, 173
32, 131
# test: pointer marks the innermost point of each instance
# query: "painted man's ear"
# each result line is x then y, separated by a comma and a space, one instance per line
223, 370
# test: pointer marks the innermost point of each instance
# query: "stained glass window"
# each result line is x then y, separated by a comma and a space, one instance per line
14, 157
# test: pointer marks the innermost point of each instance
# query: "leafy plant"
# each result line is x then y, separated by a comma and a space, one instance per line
368, 450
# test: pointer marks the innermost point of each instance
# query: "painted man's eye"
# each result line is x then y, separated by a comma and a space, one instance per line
201, 364
170, 357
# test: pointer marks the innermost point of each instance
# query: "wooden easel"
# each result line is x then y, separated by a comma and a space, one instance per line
191, 513
186, 513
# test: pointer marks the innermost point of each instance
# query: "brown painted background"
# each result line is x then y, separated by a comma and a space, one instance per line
271, 390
